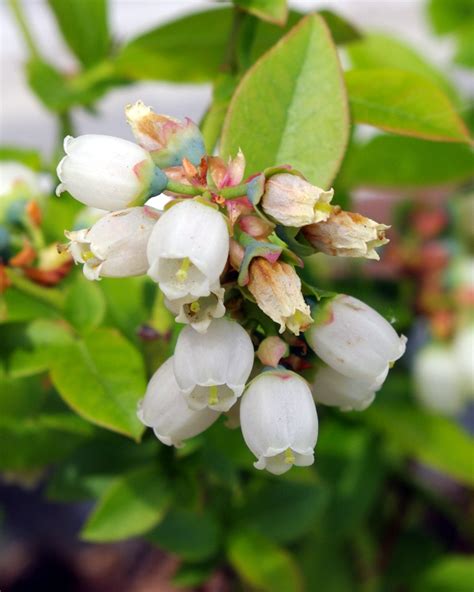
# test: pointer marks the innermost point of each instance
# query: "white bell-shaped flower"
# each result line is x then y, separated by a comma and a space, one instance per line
15, 178
354, 339
334, 389
279, 421
212, 368
105, 172
164, 409
464, 353
188, 250
198, 312
115, 246
438, 384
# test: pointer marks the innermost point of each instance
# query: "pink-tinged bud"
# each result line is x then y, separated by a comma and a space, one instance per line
292, 201
347, 234
226, 175
236, 254
272, 350
168, 140
277, 289
255, 227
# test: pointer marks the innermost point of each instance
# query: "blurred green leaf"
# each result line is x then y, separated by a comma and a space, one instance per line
377, 50
33, 442
59, 215
132, 505
391, 161
17, 306
191, 535
126, 303
191, 576
273, 11
84, 306
448, 17
404, 103
31, 158
293, 96
84, 26
431, 439
453, 573
295, 504
465, 51
263, 564
19, 397
102, 378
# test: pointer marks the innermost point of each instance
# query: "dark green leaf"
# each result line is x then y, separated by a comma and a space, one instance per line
102, 378
390, 161
404, 103
131, 506
84, 26
263, 564
293, 97
448, 17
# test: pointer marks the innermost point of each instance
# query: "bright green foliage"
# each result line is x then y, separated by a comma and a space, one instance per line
84, 307
451, 574
448, 17
102, 378
263, 564
132, 505
404, 103
84, 26
274, 11
280, 103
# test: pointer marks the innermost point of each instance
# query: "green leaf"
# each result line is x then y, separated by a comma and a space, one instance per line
84, 26
377, 50
192, 576
33, 442
60, 214
465, 51
31, 158
85, 304
448, 17
131, 506
126, 303
295, 504
262, 564
291, 107
20, 397
16, 306
431, 439
102, 378
273, 11
391, 161
453, 573
191, 535
403, 103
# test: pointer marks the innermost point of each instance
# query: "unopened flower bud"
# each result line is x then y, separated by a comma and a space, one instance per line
212, 368
222, 175
354, 339
334, 389
272, 350
292, 201
188, 250
105, 172
198, 312
164, 409
438, 384
279, 421
115, 246
256, 227
236, 254
168, 140
277, 289
346, 234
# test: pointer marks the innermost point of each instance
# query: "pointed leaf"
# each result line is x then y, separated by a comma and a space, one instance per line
273, 11
291, 106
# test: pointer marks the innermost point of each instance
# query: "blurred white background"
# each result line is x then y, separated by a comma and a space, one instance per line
24, 121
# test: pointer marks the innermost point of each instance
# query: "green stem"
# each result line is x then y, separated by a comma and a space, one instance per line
17, 10
231, 55
47, 295
226, 193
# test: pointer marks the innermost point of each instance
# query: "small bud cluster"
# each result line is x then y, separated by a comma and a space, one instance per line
225, 254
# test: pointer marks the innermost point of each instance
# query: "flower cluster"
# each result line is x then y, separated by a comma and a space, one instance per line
225, 253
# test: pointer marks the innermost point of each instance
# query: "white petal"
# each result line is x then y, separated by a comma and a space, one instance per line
335, 389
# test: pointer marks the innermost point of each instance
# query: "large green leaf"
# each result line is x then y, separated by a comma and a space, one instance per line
391, 161
263, 564
291, 107
191, 535
431, 439
448, 17
132, 505
84, 26
102, 378
274, 11
377, 50
85, 304
453, 573
404, 103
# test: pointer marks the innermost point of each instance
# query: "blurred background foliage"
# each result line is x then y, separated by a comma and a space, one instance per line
388, 505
